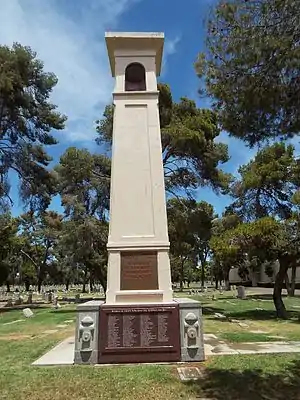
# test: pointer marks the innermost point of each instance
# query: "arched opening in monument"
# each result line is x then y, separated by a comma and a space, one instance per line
135, 77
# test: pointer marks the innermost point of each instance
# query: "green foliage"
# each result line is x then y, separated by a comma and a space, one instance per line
251, 68
268, 184
182, 238
83, 245
39, 235
83, 183
190, 228
26, 121
84, 189
8, 238
191, 156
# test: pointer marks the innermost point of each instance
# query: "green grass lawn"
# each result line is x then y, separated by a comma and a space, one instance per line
256, 312
246, 377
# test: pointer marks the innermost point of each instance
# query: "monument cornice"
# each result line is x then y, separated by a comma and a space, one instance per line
117, 246
136, 95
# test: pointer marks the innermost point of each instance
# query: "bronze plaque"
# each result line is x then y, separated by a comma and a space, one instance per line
139, 333
138, 270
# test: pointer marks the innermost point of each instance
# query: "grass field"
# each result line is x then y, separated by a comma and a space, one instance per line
246, 377
257, 315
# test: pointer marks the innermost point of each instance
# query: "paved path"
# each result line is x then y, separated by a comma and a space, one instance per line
63, 353
214, 346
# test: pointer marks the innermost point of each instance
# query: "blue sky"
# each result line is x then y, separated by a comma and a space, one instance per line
68, 35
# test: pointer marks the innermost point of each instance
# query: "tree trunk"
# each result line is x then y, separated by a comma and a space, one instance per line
293, 280
182, 275
7, 286
84, 280
202, 273
91, 285
216, 283
67, 284
42, 268
226, 279
40, 282
287, 284
277, 292
27, 285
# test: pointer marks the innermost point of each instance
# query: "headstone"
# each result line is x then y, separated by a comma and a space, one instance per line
9, 303
29, 299
243, 325
56, 304
77, 298
18, 301
220, 316
189, 373
49, 297
27, 313
241, 292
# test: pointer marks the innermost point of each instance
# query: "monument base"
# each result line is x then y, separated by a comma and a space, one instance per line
137, 333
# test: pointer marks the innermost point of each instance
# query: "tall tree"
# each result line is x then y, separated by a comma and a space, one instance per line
224, 253
191, 155
267, 184
182, 239
267, 239
251, 68
27, 118
84, 187
8, 239
202, 217
84, 183
190, 229
40, 233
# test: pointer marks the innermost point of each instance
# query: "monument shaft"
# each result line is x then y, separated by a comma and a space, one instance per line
138, 244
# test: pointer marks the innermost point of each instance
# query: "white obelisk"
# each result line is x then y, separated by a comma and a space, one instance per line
138, 243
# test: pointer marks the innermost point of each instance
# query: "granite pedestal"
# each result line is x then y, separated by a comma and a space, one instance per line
169, 332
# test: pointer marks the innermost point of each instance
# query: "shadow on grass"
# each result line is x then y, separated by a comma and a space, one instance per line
249, 314
219, 384
255, 315
269, 296
260, 315
62, 312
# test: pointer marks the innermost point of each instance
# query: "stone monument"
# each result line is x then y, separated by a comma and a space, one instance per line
139, 321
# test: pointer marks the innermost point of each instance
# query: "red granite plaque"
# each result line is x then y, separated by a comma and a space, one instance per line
138, 270
136, 333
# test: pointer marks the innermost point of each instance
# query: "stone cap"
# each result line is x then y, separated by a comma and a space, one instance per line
92, 305
185, 302
135, 41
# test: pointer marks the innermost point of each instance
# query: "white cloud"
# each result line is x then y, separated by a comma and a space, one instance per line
170, 48
68, 37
